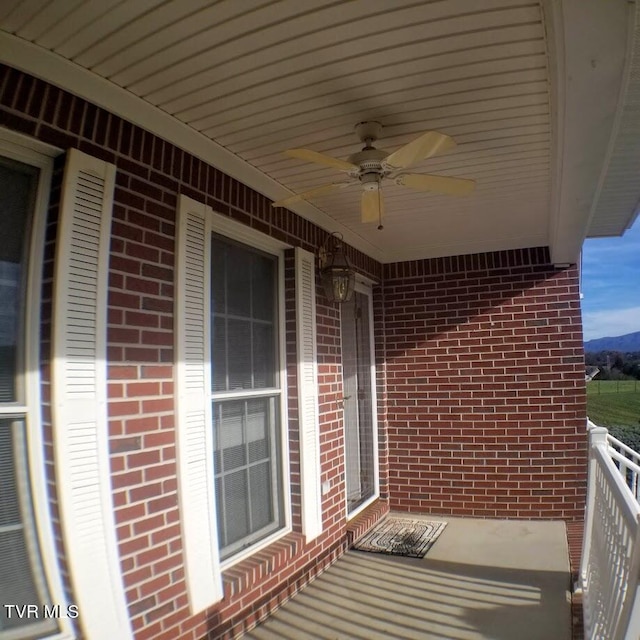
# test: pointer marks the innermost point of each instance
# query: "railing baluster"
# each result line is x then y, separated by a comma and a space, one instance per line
610, 568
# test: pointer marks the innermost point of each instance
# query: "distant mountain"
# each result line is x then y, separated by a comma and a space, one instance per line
626, 343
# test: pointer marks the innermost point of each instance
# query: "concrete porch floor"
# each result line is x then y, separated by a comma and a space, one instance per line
483, 579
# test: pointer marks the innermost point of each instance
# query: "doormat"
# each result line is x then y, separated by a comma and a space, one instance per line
401, 537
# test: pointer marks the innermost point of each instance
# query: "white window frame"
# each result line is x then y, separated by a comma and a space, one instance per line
364, 287
224, 226
31, 152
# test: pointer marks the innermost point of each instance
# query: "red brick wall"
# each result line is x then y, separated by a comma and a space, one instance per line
486, 392
150, 175
473, 358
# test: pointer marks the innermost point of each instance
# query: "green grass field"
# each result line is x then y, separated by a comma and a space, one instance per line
614, 403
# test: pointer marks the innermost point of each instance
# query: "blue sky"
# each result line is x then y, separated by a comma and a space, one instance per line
611, 285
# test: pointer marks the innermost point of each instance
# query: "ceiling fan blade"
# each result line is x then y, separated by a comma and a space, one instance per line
321, 158
372, 205
316, 191
427, 145
437, 184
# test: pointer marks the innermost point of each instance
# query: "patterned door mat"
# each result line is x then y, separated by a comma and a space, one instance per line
401, 537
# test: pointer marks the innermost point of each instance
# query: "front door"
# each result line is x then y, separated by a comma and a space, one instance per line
359, 404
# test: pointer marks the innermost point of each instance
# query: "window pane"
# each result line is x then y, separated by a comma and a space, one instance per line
239, 362
235, 505
9, 507
263, 277
218, 282
244, 338
219, 354
17, 184
222, 542
247, 460
257, 430
21, 579
263, 356
231, 436
238, 275
261, 509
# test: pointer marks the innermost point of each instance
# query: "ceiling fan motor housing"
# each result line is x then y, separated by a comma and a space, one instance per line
370, 169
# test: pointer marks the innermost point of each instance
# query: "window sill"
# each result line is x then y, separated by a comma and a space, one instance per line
261, 564
365, 520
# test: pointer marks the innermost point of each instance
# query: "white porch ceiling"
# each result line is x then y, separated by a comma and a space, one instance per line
509, 80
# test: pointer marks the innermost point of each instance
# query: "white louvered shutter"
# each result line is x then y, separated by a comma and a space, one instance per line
193, 398
308, 395
79, 397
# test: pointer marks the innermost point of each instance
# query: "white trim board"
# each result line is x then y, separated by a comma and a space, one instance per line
32, 150
233, 230
589, 59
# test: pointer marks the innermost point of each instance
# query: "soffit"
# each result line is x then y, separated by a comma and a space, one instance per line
616, 205
256, 78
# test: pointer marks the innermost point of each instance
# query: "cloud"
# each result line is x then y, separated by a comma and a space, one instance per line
601, 246
610, 278
602, 250
610, 322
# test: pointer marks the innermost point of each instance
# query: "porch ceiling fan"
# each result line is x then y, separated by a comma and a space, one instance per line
371, 166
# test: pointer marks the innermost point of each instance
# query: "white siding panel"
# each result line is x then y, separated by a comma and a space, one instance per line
376, 34
194, 33
193, 400
22, 13
268, 96
51, 14
229, 36
77, 25
310, 470
7, 8
111, 32
79, 388
617, 202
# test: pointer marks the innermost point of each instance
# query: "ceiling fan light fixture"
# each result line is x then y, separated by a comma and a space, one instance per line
336, 273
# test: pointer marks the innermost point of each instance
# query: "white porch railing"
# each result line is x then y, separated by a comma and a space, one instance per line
610, 568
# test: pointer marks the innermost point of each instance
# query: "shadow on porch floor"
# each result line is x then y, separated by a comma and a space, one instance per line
483, 579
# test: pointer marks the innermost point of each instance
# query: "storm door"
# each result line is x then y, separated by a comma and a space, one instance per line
359, 404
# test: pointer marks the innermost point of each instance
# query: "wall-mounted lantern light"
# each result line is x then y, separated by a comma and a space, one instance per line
338, 277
